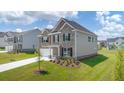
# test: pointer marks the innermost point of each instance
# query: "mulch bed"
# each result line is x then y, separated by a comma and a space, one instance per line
67, 62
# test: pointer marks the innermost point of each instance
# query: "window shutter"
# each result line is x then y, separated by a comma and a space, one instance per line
47, 39
42, 39
53, 38
63, 37
71, 52
68, 36
62, 51
58, 38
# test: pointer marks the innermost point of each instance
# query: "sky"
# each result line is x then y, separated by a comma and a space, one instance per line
106, 24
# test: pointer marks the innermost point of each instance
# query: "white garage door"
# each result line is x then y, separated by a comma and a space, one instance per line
46, 52
9, 48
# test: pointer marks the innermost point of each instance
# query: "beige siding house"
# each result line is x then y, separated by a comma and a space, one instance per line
68, 38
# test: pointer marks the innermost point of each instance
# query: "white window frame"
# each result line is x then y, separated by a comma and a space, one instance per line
45, 38
56, 38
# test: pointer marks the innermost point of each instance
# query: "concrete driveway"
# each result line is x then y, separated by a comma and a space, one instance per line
15, 64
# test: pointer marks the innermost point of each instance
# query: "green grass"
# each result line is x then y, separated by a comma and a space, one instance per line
6, 57
100, 67
2, 49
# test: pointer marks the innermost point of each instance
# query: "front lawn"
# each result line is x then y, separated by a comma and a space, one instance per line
7, 57
100, 67
2, 49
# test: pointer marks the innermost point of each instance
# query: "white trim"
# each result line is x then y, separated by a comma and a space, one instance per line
39, 35
58, 51
51, 46
75, 44
62, 26
57, 24
54, 33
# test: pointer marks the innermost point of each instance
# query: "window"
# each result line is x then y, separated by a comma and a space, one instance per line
10, 40
66, 37
96, 39
15, 39
89, 39
44, 39
56, 38
20, 39
67, 51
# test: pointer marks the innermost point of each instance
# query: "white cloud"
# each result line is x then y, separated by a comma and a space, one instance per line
18, 30
28, 17
116, 18
111, 26
100, 16
49, 26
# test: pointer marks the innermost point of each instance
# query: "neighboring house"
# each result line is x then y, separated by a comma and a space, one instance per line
2, 39
114, 43
101, 43
26, 41
14, 42
68, 38
30, 40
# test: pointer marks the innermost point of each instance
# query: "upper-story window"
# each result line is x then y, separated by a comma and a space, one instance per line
96, 39
55, 38
15, 39
66, 37
92, 39
20, 39
89, 39
45, 39
10, 39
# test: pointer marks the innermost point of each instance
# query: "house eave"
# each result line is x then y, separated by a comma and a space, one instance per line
54, 33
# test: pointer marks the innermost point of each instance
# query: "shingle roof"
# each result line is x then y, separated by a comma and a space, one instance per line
29, 31
11, 34
2, 34
78, 26
114, 39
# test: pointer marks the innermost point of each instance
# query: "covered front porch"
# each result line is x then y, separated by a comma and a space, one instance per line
56, 51
52, 51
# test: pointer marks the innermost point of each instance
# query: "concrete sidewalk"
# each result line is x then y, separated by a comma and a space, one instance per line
3, 51
15, 64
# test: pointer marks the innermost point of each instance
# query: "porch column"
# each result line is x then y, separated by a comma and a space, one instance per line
58, 51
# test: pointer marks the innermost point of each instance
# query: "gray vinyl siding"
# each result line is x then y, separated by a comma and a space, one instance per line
83, 46
3, 43
30, 40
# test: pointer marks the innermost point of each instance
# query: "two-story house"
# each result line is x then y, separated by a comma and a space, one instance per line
68, 38
3, 37
114, 43
30, 41
25, 41
14, 41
